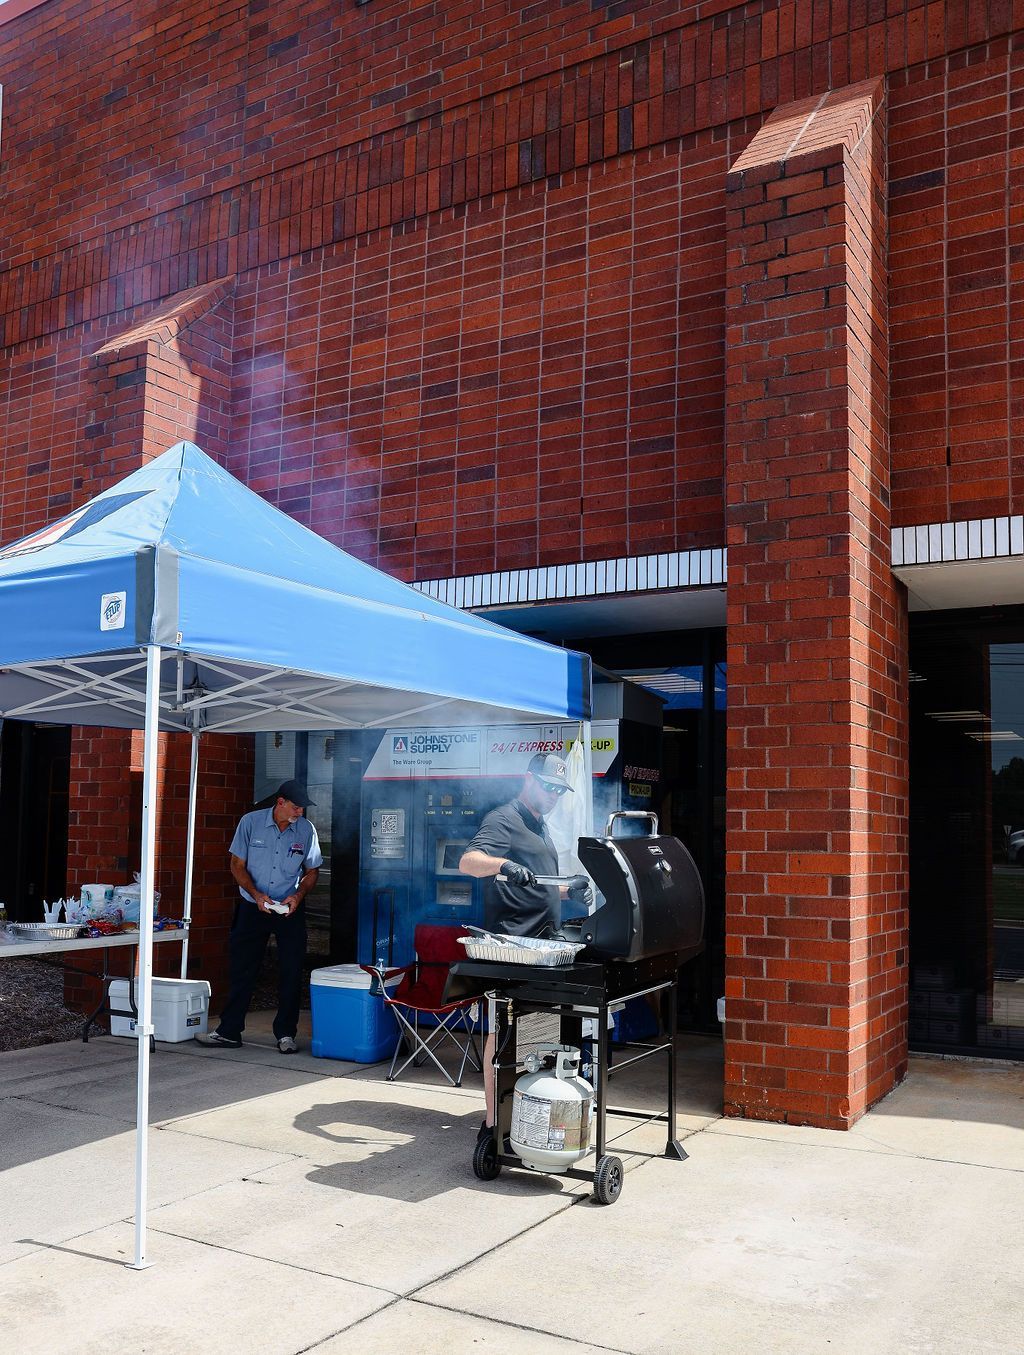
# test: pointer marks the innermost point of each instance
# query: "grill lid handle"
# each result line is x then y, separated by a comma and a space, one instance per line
609, 830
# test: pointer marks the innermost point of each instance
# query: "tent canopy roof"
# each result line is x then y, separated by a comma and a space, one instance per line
263, 624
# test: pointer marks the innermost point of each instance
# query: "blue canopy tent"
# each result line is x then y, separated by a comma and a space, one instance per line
180, 600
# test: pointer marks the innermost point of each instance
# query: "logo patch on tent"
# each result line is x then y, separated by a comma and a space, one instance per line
71, 525
399, 744
112, 610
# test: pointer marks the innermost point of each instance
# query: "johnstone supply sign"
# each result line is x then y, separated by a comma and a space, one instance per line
447, 750
495, 750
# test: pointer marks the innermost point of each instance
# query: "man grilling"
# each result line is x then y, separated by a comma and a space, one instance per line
513, 844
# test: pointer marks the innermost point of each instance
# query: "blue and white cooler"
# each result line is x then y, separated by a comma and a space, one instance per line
350, 1022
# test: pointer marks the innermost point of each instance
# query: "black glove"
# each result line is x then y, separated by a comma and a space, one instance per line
579, 892
516, 874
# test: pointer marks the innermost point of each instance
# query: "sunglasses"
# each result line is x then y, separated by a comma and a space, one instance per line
551, 786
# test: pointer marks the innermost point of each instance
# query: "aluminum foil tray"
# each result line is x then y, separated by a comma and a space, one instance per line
45, 931
520, 950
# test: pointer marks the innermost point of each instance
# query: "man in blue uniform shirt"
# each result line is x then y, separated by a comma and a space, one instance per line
275, 860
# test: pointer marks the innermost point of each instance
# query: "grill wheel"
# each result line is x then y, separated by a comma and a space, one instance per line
608, 1180
486, 1166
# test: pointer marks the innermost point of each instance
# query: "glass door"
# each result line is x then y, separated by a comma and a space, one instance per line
967, 833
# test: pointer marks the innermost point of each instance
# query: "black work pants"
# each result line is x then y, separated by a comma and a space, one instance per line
247, 943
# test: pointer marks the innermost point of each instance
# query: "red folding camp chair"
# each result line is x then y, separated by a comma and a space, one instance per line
421, 993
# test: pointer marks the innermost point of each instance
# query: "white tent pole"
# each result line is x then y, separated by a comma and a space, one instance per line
588, 773
144, 1027
190, 846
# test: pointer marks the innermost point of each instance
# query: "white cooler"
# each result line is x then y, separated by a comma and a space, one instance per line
180, 1008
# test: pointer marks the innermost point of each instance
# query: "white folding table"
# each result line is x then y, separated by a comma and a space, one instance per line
14, 947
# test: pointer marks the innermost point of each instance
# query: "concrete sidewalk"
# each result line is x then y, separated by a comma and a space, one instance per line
302, 1204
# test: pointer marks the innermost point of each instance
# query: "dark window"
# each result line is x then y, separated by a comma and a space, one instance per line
967, 833
687, 670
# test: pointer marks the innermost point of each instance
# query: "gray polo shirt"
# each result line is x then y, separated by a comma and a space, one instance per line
276, 860
513, 832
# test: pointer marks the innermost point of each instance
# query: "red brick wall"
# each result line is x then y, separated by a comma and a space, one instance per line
104, 839
211, 94
225, 778
44, 396
956, 252
249, 146
498, 384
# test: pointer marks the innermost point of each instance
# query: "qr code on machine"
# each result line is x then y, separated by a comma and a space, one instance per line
389, 823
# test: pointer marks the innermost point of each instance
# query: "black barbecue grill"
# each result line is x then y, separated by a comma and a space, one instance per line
654, 898
651, 922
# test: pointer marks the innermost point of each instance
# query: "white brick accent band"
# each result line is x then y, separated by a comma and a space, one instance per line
945, 542
595, 578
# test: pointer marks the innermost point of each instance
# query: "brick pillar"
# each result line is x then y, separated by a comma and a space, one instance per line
165, 379
104, 839
817, 746
161, 381
225, 781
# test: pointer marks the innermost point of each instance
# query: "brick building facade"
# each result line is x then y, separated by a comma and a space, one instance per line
505, 288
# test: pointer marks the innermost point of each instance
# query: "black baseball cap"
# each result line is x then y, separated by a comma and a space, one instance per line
288, 790
550, 768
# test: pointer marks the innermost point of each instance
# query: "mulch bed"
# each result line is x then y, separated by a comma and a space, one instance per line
32, 1010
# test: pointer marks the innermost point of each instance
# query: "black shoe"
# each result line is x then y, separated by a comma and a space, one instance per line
215, 1040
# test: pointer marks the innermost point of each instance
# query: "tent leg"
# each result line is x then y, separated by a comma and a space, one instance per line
190, 847
588, 772
144, 1026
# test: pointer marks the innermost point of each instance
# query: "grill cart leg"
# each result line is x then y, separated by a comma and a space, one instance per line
506, 1017
487, 1153
601, 1089
608, 1173
505, 1074
673, 1148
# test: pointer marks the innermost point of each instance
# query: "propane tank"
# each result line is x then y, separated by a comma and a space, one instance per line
552, 1110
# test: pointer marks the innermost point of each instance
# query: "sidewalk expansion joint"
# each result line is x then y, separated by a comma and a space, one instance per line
517, 1326
272, 1261
411, 1297
75, 1110
882, 1149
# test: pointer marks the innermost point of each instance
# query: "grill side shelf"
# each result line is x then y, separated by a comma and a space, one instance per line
573, 983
